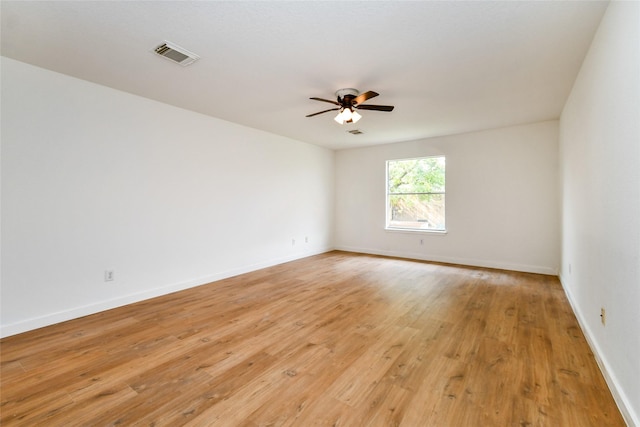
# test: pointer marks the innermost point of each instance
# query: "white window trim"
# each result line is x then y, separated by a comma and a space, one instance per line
386, 201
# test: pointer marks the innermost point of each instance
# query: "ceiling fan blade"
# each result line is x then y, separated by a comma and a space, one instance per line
325, 100
375, 107
320, 112
364, 96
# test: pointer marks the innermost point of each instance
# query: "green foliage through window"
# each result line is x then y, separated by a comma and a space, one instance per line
416, 193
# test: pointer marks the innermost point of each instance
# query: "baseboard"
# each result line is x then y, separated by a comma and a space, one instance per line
454, 260
621, 399
77, 312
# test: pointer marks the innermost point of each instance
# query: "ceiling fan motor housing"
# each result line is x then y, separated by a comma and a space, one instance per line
345, 96
340, 93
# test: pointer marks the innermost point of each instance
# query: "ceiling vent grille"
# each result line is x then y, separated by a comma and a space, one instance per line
176, 54
355, 132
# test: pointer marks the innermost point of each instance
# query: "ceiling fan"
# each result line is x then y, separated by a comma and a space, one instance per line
348, 102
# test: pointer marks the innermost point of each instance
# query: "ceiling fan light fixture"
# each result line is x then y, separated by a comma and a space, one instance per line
347, 115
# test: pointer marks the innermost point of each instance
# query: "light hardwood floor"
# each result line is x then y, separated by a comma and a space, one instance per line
335, 339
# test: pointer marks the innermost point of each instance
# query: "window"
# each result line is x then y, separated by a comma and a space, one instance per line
415, 194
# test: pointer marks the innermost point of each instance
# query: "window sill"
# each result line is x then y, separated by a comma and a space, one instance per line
414, 231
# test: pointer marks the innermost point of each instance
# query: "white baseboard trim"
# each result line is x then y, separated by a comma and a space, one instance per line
454, 260
77, 312
624, 404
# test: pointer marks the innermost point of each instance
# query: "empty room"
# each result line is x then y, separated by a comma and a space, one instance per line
332, 213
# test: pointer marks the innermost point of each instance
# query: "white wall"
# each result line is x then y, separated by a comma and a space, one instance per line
502, 204
96, 179
600, 163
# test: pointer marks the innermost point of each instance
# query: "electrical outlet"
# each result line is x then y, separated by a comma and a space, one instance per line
306, 239
108, 276
569, 268
422, 241
603, 316
293, 242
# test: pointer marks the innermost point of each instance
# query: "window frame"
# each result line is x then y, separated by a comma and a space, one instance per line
388, 227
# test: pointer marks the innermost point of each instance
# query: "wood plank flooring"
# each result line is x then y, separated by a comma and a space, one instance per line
337, 339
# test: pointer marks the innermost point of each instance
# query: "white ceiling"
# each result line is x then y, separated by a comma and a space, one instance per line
448, 67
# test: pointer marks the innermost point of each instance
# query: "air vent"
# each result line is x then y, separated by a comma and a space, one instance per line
355, 132
176, 54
